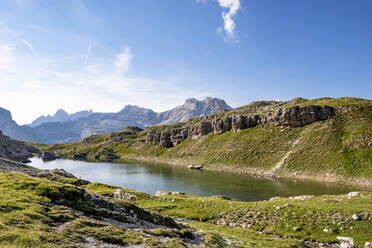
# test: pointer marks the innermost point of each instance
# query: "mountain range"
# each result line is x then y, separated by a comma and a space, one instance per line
64, 128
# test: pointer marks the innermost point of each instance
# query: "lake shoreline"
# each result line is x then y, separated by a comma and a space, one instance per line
256, 172
150, 177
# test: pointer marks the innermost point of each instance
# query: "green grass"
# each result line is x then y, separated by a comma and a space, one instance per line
276, 217
32, 210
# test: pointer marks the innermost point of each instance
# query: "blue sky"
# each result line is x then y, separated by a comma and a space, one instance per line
102, 55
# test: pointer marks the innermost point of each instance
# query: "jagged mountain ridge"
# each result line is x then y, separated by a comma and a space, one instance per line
60, 116
75, 129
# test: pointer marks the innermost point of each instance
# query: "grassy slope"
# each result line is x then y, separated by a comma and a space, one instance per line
277, 217
33, 211
37, 212
339, 147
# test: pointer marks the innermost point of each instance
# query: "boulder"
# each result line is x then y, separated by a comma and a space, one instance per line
45, 155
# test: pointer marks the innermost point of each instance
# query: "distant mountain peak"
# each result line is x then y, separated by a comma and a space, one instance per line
60, 116
193, 108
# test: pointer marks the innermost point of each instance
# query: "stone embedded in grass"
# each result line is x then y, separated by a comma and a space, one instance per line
346, 242
161, 193
301, 197
354, 194
355, 217
119, 194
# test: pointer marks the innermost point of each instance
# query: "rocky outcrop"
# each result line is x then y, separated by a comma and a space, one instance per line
169, 136
45, 155
15, 150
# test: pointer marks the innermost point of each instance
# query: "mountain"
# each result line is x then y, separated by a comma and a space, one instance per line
327, 139
63, 128
60, 116
193, 108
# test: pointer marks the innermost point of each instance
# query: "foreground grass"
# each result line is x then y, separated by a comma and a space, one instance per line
37, 212
320, 218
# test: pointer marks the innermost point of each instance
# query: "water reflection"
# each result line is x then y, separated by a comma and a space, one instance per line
151, 178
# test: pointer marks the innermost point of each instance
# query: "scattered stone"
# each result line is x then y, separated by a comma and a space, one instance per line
327, 230
162, 193
346, 242
301, 197
296, 229
119, 194
368, 245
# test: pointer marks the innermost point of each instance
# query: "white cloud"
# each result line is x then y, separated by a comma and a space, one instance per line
12, 33
123, 60
35, 86
229, 24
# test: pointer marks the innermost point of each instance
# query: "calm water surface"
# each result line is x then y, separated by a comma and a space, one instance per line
150, 178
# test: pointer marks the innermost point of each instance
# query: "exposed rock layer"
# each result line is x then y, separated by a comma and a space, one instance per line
170, 136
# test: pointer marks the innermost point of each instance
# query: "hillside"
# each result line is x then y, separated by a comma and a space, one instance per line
323, 139
64, 128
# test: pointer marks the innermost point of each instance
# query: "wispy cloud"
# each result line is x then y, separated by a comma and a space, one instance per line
89, 51
103, 86
18, 38
229, 24
123, 61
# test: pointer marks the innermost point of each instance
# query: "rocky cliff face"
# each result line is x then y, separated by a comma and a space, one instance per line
15, 150
292, 117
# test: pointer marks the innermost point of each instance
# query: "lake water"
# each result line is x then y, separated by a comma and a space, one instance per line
150, 178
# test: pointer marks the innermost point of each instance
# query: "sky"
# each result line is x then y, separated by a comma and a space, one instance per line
102, 55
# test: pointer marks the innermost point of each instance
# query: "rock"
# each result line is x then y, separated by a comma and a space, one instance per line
170, 136
296, 229
355, 217
63, 173
81, 182
274, 198
44, 174
327, 230
195, 167
119, 194
301, 197
45, 155
80, 156
346, 242
162, 193
353, 194
368, 245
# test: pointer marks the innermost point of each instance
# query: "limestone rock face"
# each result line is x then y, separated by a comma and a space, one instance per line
196, 128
